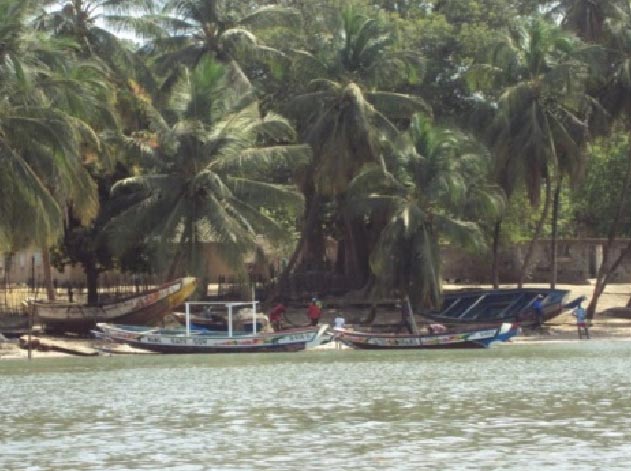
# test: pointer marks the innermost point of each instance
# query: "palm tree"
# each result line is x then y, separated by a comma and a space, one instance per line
539, 129
207, 173
440, 193
587, 18
347, 123
613, 90
57, 104
41, 143
185, 31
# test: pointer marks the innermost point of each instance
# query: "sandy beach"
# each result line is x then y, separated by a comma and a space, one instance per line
560, 329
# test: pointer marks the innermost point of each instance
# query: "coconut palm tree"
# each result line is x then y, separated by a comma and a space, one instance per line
185, 31
440, 193
348, 123
587, 18
55, 101
41, 142
539, 128
207, 173
613, 91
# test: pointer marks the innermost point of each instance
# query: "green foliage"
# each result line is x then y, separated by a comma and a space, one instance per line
593, 205
209, 155
203, 183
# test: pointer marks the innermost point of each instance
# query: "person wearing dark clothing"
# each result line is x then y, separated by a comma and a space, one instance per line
314, 312
537, 307
405, 319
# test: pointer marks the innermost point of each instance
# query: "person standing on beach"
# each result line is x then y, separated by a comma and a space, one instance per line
537, 306
314, 312
581, 319
276, 315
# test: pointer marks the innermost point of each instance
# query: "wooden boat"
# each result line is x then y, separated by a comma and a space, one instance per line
481, 338
147, 308
488, 307
217, 320
189, 340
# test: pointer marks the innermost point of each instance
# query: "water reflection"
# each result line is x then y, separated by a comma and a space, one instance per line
513, 407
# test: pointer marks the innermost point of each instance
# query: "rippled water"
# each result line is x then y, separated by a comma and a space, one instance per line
512, 407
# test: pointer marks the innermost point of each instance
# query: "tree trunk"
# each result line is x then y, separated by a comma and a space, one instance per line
604, 272
48, 279
357, 253
92, 280
495, 272
535, 237
554, 241
313, 250
311, 220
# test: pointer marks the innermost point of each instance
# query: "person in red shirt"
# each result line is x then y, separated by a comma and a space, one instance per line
314, 312
275, 316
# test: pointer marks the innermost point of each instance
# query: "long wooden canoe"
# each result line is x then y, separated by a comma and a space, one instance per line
481, 338
147, 308
203, 341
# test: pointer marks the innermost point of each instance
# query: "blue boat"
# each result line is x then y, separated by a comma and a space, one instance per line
492, 307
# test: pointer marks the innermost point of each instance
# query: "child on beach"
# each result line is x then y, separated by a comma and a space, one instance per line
581, 320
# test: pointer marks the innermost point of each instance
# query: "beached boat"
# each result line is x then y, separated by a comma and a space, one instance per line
146, 308
217, 320
492, 307
14, 324
481, 338
192, 340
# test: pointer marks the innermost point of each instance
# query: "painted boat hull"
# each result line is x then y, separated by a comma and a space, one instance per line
146, 308
13, 325
177, 341
380, 341
484, 308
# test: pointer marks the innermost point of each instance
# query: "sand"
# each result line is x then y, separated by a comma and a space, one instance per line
560, 329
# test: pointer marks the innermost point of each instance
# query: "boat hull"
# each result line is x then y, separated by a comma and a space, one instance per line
472, 339
147, 308
483, 309
173, 341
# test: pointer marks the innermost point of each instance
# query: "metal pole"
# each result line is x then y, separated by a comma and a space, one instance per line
411, 314
230, 320
254, 317
30, 330
187, 316
32, 273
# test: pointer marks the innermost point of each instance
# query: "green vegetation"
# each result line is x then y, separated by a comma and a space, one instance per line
386, 127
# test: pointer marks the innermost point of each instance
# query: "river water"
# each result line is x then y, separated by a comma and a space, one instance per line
551, 406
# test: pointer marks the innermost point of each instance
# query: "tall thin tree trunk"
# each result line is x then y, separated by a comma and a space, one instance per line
535, 237
495, 271
554, 240
311, 221
604, 271
92, 280
48, 279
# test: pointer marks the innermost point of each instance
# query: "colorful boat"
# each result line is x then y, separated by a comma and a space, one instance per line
190, 340
491, 307
146, 308
481, 338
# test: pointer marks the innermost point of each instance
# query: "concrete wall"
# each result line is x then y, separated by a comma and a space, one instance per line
577, 261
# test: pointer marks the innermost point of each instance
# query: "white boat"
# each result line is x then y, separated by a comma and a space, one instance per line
189, 340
